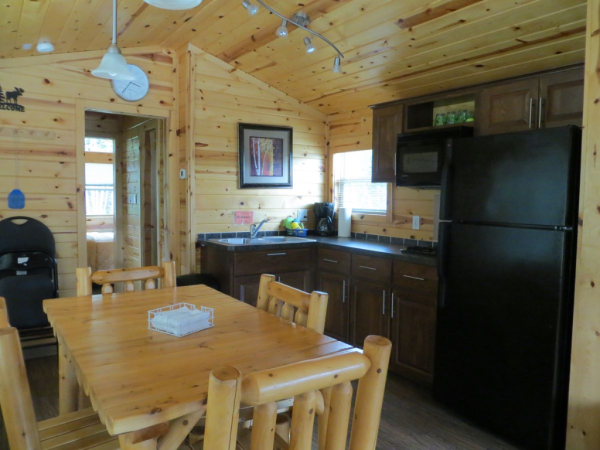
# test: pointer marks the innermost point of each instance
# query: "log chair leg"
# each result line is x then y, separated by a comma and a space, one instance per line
339, 419
324, 418
223, 409
68, 388
263, 429
369, 396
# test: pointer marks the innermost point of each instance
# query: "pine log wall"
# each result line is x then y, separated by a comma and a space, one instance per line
45, 137
220, 97
353, 131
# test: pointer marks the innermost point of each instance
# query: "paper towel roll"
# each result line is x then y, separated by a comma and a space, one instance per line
344, 222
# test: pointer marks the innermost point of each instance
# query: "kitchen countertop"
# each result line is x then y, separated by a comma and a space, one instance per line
392, 251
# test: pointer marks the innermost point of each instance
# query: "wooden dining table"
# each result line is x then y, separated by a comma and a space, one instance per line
150, 388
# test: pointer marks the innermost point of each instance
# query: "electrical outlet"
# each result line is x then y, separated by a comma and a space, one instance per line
302, 215
416, 222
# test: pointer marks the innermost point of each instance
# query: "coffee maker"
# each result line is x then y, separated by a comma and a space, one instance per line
324, 217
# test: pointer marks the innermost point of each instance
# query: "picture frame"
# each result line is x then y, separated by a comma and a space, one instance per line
265, 156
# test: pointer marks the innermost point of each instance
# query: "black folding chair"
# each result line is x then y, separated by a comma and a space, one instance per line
28, 270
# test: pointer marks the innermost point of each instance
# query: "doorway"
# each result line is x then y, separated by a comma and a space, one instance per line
124, 190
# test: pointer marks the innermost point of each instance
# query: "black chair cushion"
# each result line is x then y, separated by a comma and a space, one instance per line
24, 295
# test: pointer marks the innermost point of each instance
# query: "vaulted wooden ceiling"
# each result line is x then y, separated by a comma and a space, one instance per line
393, 48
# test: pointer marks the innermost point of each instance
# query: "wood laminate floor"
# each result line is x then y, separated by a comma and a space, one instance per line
411, 419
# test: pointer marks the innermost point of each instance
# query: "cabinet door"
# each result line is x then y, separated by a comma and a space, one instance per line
336, 323
387, 123
508, 107
246, 288
369, 303
413, 335
300, 280
561, 97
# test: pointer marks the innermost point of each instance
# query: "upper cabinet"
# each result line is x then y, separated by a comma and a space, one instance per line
546, 101
387, 123
507, 107
561, 96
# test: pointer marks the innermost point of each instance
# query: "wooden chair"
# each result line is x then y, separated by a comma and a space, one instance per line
308, 310
320, 386
3, 314
107, 278
76, 431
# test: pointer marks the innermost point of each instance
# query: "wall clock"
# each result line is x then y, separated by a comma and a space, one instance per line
135, 90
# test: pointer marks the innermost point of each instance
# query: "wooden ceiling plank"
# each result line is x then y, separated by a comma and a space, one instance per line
56, 17
379, 38
101, 16
179, 20
207, 15
9, 25
80, 13
398, 50
494, 43
434, 13
351, 100
144, 30
32, 18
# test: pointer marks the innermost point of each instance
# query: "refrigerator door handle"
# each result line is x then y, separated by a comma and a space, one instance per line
540, 111
531, 112
442, 256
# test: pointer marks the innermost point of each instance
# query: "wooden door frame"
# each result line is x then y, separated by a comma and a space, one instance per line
170, 230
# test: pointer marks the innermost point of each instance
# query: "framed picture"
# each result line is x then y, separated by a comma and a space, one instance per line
265, 156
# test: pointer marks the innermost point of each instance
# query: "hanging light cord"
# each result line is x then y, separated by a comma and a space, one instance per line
314, 33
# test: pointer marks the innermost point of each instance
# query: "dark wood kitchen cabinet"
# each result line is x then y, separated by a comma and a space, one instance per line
338, 311
387, 123
561, 97
369, 310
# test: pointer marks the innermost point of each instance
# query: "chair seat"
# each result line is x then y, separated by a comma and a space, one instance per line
79, 430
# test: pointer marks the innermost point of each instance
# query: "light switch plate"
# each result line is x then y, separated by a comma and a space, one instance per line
302, 215
416, 222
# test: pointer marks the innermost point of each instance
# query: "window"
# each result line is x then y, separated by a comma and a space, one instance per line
352, 184
99, 178
99, 145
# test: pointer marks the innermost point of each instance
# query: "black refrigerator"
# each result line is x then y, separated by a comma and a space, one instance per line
506, 259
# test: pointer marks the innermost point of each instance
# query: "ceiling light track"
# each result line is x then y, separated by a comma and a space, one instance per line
301, 20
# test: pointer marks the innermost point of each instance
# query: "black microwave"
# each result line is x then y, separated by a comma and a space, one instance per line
420, 156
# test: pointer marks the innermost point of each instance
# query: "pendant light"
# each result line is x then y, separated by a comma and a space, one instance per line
174, 4
113, 65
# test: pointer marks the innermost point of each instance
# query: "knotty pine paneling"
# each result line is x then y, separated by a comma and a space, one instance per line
223, 97
44, 136
352, 130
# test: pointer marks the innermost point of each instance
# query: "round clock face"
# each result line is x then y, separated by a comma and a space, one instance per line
133, 90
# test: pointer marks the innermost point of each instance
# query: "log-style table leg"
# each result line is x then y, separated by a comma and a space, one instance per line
68, 388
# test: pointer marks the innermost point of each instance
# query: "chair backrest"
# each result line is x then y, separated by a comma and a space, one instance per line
321, 386
15, 396
3, 314
107, 278
308, 310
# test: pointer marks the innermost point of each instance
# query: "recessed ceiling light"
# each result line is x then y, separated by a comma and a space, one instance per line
27, 46
45, 47
174, 4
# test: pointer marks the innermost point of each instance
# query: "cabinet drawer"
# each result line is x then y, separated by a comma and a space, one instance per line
371, 268
334, 260
272, 261
416, 277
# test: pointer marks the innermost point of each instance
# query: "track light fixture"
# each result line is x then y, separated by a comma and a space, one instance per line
336, 65
301, 20
282, 31
310, 48
252, 9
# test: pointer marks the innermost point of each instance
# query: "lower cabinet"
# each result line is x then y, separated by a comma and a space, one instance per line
338, 311
301, 279
413, 319
246, 288
368, 303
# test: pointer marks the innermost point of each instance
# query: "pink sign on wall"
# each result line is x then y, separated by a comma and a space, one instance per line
243, 217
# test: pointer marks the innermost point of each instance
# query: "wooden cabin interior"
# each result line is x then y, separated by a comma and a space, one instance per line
129, 176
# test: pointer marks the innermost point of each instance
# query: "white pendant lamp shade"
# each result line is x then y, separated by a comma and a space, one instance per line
174, 4
113, 66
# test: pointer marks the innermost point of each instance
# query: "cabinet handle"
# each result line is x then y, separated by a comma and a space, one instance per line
413, 278
383, 312
330, 260
367, 267
540, 111
392, 305
530, 112
344, 291
276, 254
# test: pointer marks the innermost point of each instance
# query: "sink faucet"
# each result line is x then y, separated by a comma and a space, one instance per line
254, 228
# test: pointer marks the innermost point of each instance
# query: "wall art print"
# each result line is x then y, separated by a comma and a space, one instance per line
9, 100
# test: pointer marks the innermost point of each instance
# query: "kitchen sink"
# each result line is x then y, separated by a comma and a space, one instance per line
268, 240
